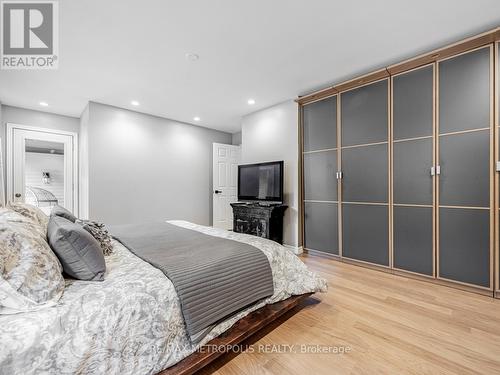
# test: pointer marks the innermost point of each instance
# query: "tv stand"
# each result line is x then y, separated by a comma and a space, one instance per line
262, 219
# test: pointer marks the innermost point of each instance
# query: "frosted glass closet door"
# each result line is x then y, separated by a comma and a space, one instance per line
464, 183
319, 170
365, 198
497, 119
413, 128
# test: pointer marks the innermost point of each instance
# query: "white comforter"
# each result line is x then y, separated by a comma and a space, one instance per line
131, 323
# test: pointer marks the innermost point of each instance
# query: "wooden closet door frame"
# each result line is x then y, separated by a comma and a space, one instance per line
490, 289
300, 147
387, 78
302, 204
339, 169
396, 269
497, 178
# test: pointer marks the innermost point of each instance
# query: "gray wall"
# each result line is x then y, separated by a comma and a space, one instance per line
41, 119
236, 139
272, 134
22, 116
145, 168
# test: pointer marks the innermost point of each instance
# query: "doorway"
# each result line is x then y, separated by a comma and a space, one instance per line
42, 167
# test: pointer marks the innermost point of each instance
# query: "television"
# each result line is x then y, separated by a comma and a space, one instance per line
261, 182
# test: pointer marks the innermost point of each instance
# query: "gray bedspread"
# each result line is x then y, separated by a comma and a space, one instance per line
214, 277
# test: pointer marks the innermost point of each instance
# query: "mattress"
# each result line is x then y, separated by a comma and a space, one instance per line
131, 323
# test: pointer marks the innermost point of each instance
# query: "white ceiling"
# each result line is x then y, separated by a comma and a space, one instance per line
115, 51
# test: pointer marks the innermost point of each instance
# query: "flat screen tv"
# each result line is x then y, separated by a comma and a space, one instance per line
261, 182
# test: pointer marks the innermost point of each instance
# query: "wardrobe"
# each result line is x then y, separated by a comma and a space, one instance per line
399, 168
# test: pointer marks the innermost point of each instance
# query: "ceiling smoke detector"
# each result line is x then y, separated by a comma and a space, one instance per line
192, 56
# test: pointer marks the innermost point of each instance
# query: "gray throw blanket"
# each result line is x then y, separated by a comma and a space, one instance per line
214, 277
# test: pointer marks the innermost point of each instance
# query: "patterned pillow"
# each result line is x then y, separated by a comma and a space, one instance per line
100, 233
30, 273
31, 212
11, 216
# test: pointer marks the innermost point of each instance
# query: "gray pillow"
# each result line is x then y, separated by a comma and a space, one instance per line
61, 211
79, 253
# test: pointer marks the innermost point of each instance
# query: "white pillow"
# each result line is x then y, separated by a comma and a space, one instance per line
30, 273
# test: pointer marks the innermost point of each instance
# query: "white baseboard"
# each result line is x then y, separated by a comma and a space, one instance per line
296, 249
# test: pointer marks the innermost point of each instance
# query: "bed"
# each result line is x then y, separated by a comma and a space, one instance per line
130, 323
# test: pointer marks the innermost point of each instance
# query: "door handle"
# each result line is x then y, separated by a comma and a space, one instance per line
18, 195
218, 191
436, 171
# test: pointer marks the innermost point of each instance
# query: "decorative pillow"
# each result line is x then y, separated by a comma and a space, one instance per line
31, 212
30, 273
61, 211
80, 254
100, 233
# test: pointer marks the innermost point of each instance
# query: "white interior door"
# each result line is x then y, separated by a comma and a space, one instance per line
41, 161
225, 183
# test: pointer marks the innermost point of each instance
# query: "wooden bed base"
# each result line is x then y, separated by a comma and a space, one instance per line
240, 331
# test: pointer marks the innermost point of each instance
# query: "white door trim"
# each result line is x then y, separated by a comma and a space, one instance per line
10, 158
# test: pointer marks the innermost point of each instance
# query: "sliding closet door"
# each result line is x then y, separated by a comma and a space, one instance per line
497, 127
365, 193
464, 184
413, 192
319, 136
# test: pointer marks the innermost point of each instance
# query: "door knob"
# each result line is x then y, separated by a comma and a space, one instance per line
18, 195
218, 191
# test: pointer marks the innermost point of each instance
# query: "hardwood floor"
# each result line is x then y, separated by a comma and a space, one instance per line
392, 325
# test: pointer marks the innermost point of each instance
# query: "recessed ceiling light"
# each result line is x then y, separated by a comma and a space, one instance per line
134, 102
44, 104
192, 56
251, 101
196, 118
